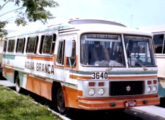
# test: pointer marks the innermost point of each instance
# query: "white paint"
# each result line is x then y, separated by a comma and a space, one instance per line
7, 83
152, 110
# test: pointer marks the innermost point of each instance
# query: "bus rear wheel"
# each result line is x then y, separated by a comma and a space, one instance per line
60, 101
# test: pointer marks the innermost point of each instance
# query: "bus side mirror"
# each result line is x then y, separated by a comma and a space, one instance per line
68, 49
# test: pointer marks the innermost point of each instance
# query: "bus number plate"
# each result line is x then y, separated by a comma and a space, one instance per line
100, 75
130, 103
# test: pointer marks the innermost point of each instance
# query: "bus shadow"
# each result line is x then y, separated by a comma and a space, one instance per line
162, 102
36, 98
101, 115
82, 114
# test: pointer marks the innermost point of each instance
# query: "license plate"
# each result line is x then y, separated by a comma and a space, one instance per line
131, 103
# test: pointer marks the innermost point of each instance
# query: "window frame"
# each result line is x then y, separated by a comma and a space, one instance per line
162, 45
9, 49
35, 46
5, 46
122, 46
61, 46
73, 55
52, 47
22, 50
151, 50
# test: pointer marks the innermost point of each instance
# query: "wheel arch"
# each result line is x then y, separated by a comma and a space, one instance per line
55, 91
55, 87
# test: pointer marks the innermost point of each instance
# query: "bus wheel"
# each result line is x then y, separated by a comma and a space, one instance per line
60, 101
17, 83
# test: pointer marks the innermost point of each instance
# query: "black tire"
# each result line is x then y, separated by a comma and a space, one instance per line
60, 102
17, 83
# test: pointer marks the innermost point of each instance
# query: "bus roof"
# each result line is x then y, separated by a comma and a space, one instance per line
85, 25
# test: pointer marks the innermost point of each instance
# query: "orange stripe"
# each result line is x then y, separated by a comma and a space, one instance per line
7, 71
39, 86
80, 77
104, 103
71, 68
40, 57
6, 65
54, 59
113, 77
71, 97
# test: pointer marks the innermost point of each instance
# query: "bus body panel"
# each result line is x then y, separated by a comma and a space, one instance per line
158, 40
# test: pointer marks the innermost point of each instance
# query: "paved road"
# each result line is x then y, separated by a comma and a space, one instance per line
6, 83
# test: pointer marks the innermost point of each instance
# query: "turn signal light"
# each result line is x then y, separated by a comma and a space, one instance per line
101, 83
149, 82
91, 84
155, 81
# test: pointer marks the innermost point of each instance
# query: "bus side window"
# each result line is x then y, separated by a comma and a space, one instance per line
47, 44
71, 61
11, 45
158, 43
53, 43
32, 44
60, 52
20, 45
5, 46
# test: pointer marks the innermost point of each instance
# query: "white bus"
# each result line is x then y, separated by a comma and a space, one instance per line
159, 44
84, 64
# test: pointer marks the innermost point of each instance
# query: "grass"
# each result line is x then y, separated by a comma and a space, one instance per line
19, 107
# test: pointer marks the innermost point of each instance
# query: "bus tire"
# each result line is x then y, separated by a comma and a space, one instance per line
60, 101
17, 83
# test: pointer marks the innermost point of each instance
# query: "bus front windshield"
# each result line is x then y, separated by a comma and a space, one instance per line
102, 50
139, 51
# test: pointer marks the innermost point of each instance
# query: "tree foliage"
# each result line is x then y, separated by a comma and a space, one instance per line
3, 32
27, 11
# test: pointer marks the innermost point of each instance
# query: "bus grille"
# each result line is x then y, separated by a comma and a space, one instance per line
121, 88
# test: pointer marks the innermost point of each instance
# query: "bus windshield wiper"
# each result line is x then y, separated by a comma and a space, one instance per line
140, 63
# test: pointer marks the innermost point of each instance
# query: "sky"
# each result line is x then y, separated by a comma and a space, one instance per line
132, 13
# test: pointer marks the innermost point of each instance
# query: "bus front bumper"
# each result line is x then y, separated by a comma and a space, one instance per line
117, 102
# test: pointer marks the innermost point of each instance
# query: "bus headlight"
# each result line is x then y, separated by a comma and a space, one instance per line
91, 92
100, 91
154, 88
148, 89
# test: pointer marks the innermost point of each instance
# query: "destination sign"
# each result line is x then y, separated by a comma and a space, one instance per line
102, 36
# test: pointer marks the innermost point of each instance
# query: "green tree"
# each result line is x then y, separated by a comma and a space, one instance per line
26, 11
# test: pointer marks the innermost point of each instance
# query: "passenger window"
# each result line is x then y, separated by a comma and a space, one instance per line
11, 45
5, 46
20, 45
60, 53
71, 61
47, 44
158, 43
32, 44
